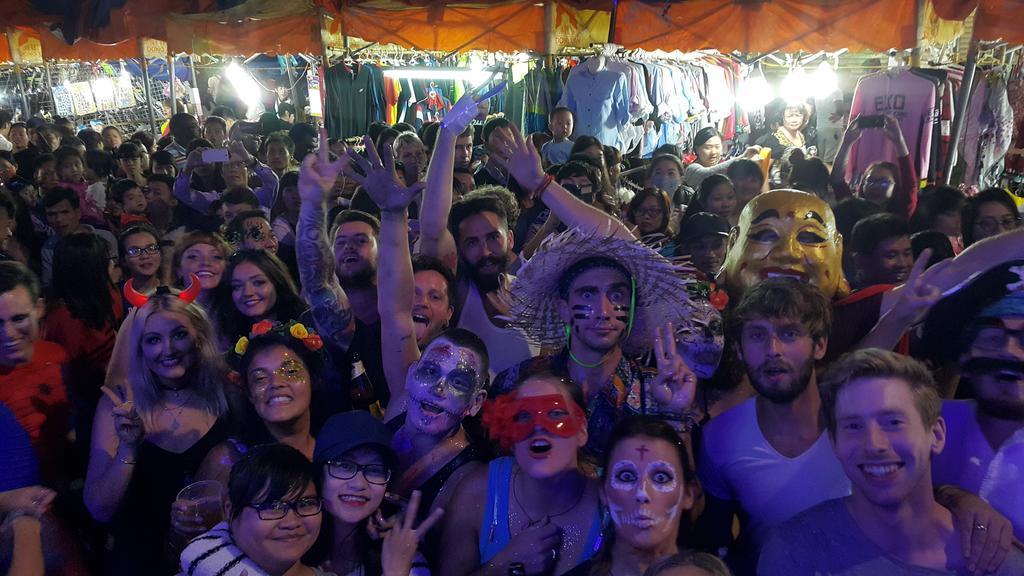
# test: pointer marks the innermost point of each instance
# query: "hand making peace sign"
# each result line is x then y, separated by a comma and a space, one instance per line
127, 422
676, 385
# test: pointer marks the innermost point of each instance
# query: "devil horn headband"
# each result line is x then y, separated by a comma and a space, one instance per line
188, 295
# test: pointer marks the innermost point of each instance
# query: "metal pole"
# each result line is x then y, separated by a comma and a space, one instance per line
291, 87
49, 80
961, 108
21, 88
613, 22
170, 78
195, 86
149, 96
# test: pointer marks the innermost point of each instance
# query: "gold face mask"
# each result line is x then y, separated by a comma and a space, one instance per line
785, 233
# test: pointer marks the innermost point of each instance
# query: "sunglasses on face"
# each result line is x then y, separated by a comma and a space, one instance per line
136, 251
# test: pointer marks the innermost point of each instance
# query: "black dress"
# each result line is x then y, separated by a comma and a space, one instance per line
142, 526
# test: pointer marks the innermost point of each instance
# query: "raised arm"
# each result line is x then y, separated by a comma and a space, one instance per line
332, 312
267, 192
183, 190
394, 273
522, 161
435, 239
840, 186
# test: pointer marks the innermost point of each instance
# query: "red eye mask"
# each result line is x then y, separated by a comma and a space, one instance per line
510, 420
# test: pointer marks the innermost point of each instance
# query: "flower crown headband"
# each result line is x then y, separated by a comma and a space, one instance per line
311, 340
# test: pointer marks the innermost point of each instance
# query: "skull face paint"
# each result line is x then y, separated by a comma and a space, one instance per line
645, 491
701, 340
441, 387
785, 233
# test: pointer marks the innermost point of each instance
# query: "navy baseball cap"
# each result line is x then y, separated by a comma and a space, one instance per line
348, 430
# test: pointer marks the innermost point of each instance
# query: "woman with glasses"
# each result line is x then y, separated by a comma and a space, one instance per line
141, 257
651, 212
892, 186
990, 213
274, 514
355, 459
257, 286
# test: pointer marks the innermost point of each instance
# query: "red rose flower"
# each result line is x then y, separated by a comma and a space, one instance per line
262, 327
719, 299
313, 342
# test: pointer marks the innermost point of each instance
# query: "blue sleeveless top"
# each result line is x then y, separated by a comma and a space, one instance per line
495, 534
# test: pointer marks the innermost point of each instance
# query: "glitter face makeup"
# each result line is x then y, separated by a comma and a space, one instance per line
441, 387
289, 372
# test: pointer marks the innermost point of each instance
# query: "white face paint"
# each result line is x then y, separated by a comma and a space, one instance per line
644, 491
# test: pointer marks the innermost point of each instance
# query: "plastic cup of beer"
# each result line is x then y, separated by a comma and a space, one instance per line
205, 500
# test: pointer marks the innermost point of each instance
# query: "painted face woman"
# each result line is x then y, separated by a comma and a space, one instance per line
278, 365
355, 461
648, 486
535, 507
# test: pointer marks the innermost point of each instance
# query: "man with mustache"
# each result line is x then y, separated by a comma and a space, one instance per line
984, 451
475, 237
768, 458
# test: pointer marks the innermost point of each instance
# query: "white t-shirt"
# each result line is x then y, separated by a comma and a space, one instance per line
738, 463
968, 461
506, 347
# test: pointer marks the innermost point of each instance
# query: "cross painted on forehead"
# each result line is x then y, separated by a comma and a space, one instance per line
643, 450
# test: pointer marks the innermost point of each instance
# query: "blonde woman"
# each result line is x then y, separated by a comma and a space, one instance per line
163, 409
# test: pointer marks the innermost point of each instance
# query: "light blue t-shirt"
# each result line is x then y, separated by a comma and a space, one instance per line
556, 152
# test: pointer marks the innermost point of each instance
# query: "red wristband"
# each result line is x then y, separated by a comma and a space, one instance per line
539, 191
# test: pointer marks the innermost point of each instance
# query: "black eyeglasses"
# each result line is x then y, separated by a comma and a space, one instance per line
305, 507
346, 470
136, 251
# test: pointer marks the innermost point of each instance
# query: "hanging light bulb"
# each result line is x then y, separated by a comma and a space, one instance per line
795, 86
755, 91
824, 80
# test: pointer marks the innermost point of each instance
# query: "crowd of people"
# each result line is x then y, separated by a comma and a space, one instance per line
461, 350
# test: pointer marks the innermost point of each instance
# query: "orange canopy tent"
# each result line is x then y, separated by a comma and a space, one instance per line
280, 26
995, 19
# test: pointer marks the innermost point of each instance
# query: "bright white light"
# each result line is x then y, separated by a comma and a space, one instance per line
245, 86
474, 77
824, 80
796, 86
755, 92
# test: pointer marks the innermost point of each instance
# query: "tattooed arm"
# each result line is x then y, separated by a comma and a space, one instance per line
331, 310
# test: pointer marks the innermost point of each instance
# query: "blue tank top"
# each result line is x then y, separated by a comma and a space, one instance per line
495, 534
